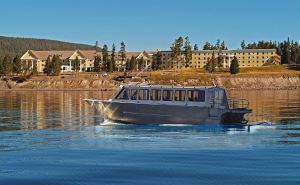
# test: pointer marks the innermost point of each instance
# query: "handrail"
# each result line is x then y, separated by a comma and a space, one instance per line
238, 103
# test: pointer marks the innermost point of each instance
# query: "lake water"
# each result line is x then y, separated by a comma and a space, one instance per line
50, 137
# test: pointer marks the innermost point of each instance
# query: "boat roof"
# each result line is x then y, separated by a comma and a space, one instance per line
168, 86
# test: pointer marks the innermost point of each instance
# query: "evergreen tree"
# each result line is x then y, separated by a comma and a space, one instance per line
213, 62
218, 44
17, 64
187, 52
97, 64
196, 47
234, 66
6, 65
123, 51
47, 68
105, 60
298, 56
56, 62
132, 63
220, 59
176, 49
154, 66
34, 69
140, 63
96, 47
158, 59
110, 66
128, 65
76, 64
207, 46
209, 66
113, 53
223, 47
243, 45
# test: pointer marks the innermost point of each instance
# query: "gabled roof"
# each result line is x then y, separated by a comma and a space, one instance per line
87, 54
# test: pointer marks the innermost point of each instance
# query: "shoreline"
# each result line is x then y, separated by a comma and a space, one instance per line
279, 81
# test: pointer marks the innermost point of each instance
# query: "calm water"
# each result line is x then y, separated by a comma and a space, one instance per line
55, 138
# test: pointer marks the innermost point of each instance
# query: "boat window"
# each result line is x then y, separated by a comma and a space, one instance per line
133, 94
123, 95
196, 95
167, 95
143, 94
179, 95
155, 95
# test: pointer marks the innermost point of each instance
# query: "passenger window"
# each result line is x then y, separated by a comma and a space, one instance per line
143, 94
167, 95
195, 95
133, 94
123, 95
179, 95
155, 94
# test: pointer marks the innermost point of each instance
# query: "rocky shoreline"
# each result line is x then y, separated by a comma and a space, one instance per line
246, 81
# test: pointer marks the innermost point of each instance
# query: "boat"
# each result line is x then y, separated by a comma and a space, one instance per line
159, 104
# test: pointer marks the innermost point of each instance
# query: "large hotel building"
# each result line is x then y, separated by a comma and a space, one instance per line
246, 58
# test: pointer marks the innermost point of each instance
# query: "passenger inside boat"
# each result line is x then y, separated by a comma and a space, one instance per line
164, 95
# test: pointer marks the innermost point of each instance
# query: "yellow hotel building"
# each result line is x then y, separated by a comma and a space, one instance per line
246, 58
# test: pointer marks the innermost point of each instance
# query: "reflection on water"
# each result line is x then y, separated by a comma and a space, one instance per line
45, 109
278, 106
53, 137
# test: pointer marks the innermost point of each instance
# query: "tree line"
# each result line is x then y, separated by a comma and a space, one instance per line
15, 45
289, 50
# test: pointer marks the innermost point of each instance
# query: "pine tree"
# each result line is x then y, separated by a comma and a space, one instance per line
123, 51
47, 68
17, 64
154, 65
105, 61
223, 47
96, 47
113, 53
196, 47
77, 64
56, 62
220, 59
218, 44
213, 62
243, 45
6, 65
132, 63
110, 66
176, 49
187, 52
234, 66
208, 66
158, 59
207, 46
128, 65
97, 65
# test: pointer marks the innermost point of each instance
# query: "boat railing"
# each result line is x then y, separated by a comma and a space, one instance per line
238, 103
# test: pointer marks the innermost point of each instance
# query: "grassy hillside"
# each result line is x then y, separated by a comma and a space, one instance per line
13, 45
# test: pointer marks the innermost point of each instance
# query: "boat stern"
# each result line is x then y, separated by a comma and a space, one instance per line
234, 116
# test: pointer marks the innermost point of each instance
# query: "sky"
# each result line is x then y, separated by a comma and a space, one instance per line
151, 24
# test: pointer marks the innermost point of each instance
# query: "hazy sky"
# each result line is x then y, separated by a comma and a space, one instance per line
150, 24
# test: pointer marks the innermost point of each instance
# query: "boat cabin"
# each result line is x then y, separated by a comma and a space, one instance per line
212, 97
